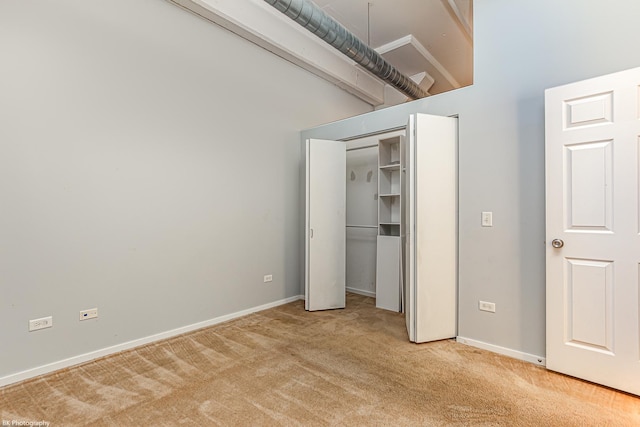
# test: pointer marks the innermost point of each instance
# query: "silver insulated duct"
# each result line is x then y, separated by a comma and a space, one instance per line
314, 19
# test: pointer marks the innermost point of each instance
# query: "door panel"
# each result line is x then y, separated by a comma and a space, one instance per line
589, 308
408, 209
637, 219
325, 231
431, 234
589, 110
589, 190
592, 216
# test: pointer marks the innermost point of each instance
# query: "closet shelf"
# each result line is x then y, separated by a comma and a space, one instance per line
391, 167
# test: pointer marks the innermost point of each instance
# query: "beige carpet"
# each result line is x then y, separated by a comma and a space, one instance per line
285, 366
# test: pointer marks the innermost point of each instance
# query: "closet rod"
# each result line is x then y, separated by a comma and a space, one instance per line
362, 148
362, 226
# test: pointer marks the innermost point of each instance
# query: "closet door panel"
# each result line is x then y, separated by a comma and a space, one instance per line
325, 225
432, 233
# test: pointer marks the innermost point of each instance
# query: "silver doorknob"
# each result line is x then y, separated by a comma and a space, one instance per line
557, 243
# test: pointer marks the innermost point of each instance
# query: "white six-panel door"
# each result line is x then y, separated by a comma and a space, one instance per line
325, 224
593, 229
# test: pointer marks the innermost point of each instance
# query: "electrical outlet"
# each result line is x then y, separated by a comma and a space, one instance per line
268, 278
42, 323
92, 313
487, 306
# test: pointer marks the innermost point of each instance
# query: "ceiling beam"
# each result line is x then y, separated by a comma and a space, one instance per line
409, 39
261, 24
460, 18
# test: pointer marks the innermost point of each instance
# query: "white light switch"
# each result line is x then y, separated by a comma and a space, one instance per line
487, 219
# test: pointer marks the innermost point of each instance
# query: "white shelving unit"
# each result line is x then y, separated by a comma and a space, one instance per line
389, 175
388, 259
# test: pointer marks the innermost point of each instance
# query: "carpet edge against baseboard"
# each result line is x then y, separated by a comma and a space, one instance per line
531, 358
86, 357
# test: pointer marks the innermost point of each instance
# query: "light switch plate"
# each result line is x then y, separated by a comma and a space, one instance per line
487, 219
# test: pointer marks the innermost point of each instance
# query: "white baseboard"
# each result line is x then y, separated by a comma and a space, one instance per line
82, 358
531, 358
361, 292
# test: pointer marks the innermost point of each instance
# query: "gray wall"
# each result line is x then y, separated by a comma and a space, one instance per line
148, 167
521, 48
362, 210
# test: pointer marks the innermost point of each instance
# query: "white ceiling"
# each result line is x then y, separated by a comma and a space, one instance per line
414, 35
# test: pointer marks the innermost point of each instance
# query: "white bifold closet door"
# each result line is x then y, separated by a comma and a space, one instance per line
325, 224
430, 227
427, 230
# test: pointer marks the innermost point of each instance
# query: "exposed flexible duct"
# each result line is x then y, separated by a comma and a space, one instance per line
314, 19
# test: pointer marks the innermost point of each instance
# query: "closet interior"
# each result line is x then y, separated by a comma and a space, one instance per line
373, 229
381, 220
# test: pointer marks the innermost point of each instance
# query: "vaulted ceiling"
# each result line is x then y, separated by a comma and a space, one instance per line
428, 40
414, 35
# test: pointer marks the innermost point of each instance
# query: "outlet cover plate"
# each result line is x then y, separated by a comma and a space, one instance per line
487, 306
42, 323
91, 313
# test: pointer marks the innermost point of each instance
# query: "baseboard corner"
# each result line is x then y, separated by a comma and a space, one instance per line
361, 292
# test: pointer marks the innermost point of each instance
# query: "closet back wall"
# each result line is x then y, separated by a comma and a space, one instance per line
148, 167
362, 212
